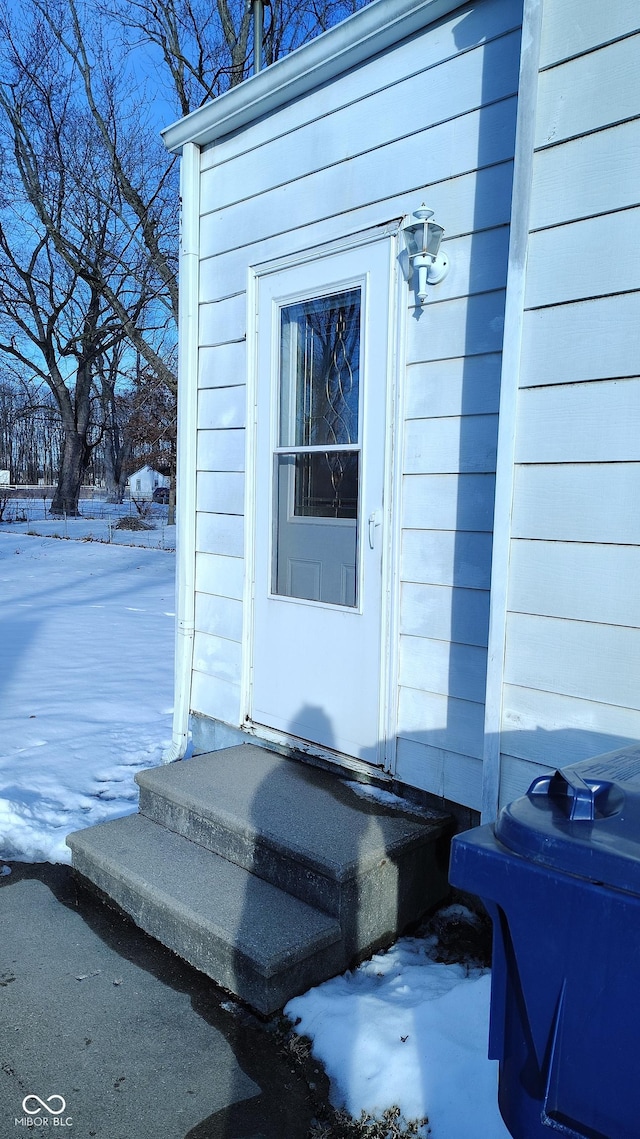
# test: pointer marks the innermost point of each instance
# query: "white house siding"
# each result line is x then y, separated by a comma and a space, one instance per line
572, 662
432, 118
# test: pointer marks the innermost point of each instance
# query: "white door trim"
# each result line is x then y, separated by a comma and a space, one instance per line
387, 233
313, 253
393, 480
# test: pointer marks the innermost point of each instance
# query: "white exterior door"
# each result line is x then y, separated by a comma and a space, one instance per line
322, 395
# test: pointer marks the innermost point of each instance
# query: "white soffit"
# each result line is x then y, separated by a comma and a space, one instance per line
367, 32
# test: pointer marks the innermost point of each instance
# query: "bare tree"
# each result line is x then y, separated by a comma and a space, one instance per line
201, 47
121, 175
54, 326
205, 48
88, 259
115, 444
30, 429
75, 278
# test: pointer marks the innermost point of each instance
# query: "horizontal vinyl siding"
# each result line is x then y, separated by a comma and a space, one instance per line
443, 667
445, 773
472, 201
590, 340
459, 616
544, 576
382, 119
574, 27
457, 33
595, 100
223, 365
222, 408
594, 662
572, 662
433, 117
221, 450
219, 616
220, 574
218, 699
581, 423
583, 258
336, 191
442, 722
217, 656
220, 534
454, 445
585, 502
450, 437
448, 501
551, 728
467, 326
468, 385
446, 557
559, 196
223, 321
220, 492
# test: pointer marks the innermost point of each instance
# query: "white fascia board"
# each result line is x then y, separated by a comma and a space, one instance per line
369, 31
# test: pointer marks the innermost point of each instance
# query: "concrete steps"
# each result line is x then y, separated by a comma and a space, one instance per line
267, 874
251, 938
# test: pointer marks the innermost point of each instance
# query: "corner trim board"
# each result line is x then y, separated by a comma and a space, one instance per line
187, 433
509, 384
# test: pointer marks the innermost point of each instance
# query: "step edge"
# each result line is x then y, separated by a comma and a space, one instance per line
232, 825
184, 913
265, 993
329, 870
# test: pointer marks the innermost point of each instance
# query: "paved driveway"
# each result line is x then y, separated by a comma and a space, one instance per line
105, 1033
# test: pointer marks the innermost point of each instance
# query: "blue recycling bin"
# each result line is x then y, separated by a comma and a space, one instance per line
559, 873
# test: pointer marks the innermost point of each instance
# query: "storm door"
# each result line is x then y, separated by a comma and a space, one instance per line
321, 401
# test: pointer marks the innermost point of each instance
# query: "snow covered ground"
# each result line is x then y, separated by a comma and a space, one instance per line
86, 651
86, 685
405, 1030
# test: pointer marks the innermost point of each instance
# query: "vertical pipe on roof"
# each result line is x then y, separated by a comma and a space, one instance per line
258, 11
187, 435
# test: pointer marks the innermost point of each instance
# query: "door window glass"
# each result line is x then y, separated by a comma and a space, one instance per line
317, 461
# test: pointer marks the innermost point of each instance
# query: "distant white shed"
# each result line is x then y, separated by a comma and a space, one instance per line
142, 483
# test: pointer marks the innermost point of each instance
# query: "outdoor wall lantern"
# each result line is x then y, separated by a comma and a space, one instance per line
422, 240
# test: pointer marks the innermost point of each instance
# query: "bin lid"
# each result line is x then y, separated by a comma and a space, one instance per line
583, 819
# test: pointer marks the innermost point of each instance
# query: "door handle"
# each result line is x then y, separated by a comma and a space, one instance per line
375, 519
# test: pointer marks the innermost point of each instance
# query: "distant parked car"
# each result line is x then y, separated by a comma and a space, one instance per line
161, 494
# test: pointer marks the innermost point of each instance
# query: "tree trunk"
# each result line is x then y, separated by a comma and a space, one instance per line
122, 468
116, 457
75, 457
111, 468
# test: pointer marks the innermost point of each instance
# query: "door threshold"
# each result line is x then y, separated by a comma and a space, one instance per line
336, 762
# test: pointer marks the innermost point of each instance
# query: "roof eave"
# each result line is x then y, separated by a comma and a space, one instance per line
340, 49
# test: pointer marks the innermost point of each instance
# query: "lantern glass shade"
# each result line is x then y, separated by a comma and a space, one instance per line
422, 241
423, 238
433, 237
